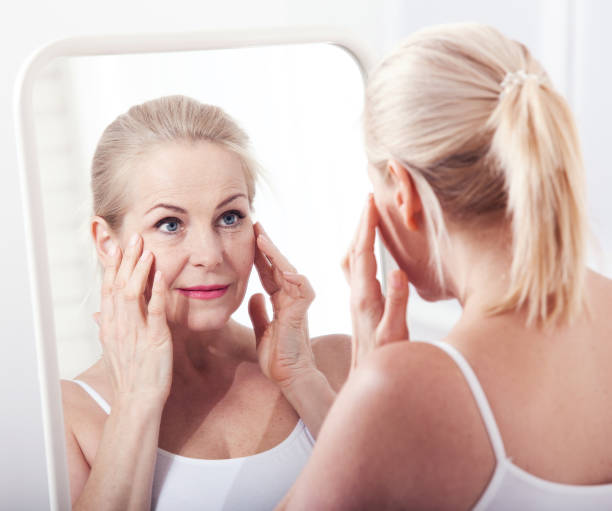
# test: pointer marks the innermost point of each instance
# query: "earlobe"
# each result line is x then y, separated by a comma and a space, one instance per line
103, 238
406, 196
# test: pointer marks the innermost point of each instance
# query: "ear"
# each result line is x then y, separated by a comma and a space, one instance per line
103, 238
406, 197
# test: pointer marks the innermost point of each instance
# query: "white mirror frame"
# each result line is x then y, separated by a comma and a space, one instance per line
40, 285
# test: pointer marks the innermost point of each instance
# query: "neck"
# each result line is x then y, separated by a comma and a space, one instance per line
213, 355
477, 265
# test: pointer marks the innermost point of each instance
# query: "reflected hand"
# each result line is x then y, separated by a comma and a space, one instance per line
283, 344
136, 340
376, 319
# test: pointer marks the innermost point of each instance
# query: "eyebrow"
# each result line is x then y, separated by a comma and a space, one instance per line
184, 211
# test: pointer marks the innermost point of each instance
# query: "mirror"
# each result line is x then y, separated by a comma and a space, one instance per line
298, 98
300, 105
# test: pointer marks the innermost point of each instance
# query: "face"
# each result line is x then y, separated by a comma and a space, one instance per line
189, 202
408, 247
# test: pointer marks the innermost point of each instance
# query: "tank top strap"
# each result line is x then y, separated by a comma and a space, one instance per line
479, 396
94, 395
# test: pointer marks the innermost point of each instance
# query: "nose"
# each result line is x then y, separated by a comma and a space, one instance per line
206, 249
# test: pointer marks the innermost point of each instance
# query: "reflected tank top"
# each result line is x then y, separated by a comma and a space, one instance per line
256, 482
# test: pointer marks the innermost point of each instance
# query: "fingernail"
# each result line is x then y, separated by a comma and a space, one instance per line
133, 240
157, 276
145, 254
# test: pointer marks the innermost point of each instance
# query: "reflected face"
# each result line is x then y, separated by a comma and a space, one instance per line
189, 202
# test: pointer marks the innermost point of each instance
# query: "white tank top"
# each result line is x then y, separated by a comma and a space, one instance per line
256, 482
511, 488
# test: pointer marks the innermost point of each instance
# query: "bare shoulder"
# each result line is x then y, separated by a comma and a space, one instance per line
333, 357
83, 424
404, 433
78, 406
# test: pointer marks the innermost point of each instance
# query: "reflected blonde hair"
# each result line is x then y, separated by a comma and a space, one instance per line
142, 127
478, 152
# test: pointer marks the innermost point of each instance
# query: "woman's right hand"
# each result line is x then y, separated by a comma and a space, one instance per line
136, 340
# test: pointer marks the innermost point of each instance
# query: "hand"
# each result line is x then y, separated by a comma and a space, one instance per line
136, 340
377, 320
283, 345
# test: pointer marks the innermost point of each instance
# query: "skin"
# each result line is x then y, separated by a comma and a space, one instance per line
405, 432
178, 372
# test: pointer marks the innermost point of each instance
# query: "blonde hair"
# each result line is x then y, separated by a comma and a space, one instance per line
478, 151
167, 119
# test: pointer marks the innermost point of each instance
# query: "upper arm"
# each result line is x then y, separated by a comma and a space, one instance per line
78, 468
404, 433
333, 357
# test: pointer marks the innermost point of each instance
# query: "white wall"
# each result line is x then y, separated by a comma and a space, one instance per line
569, 39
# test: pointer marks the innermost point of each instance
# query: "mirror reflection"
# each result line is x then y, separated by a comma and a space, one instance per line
300, 106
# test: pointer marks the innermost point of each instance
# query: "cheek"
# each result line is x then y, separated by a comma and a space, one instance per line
240, 248
167, 259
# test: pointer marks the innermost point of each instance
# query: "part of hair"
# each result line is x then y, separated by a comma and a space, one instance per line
145, 126
481, 153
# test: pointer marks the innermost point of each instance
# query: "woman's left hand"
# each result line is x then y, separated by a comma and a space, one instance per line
377, 319
283, 344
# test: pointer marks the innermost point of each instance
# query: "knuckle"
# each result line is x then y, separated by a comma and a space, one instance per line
130, 295
156, 311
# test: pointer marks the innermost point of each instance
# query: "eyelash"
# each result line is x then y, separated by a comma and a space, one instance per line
167, 220
178, 221
239, 214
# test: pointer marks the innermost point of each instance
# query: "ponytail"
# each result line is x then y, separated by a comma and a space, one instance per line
435, 105
536, 146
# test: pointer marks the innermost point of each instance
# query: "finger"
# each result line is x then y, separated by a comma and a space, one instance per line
108, 283
366, 232
266, 274
130, 258
135, 288
96, 318
273, 253
345, 264
259, 316
362, 217
362, 262
393, 326
156, 310
298, 286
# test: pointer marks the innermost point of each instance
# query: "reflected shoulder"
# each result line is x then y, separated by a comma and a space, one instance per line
333, 357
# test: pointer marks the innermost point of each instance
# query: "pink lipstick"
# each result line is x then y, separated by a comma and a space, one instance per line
204, 292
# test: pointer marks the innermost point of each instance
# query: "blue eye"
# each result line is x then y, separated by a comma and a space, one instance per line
169, 225
230, 218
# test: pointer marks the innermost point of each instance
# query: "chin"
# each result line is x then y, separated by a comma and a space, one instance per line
428, 287
200, 324
433, 292
202, 320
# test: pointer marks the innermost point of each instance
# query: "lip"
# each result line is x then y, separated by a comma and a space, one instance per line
204, 292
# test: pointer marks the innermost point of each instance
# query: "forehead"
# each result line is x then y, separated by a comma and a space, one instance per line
187, 172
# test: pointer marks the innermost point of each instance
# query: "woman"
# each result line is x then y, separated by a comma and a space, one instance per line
479, 196
187, 408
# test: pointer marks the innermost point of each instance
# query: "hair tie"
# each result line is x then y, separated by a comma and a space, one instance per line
518, 78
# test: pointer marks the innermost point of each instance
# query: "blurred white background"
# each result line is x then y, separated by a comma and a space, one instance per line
569, 36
